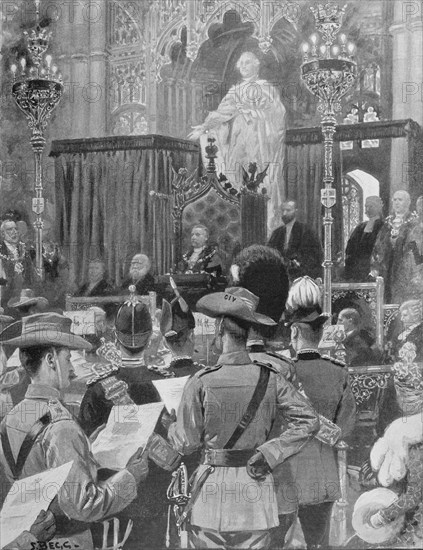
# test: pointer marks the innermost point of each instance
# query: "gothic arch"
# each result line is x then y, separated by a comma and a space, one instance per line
198, 25
114, 28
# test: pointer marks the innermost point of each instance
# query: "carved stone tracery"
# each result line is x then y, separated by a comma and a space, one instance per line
123, 24
128, 83
169, 17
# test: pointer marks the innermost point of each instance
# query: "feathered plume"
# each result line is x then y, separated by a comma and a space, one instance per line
304, 294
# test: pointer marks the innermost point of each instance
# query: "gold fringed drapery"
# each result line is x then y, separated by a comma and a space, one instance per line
112, 198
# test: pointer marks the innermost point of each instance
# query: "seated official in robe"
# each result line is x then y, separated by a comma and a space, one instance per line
97, 284
358, 342
201, 257
139, 275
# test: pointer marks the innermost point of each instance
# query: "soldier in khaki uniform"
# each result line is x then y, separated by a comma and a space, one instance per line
261, 270
235, 506
325, 382
40, 433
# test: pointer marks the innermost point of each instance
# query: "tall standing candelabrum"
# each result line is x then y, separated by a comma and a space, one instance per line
329, 72
37, 88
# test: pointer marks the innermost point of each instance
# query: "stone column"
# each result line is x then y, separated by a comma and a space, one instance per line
407, 81
407, 31
79, 123
96, 91
61, 49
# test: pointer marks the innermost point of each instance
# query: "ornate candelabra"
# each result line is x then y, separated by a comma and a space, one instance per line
329, 71
37, 89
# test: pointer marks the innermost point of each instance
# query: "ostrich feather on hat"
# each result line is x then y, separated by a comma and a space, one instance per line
389, 455
304, 303
304, 294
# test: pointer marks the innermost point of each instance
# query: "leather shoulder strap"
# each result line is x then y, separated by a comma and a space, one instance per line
269, 366
209, 369
245, 421
252, 408
280, 357
30, 438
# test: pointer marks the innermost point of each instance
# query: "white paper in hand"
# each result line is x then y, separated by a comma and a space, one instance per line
170, 391
128, 428
26, 498
332, 336
83, 322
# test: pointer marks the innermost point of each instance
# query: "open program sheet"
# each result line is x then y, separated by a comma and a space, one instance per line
128, 428
25, 500
170, 391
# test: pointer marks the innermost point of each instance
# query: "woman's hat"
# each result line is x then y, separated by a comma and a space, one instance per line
27, 298
236, 302
43, 329
369, 504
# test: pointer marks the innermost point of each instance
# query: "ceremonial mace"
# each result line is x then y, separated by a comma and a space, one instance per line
37, 89
329, 72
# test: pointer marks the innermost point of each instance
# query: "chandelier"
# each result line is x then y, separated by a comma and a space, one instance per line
37, 89
329, 72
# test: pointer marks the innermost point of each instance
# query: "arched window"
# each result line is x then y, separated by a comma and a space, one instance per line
357, 185
352, 205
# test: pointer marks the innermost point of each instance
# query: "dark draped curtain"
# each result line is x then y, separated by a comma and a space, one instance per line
115, 203
304, 160
304, 171
103, 188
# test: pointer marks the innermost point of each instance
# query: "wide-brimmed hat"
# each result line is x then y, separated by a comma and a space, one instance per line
236, 302
43, 329
133, 325
173, 320
27, 298
311, 316
366, 506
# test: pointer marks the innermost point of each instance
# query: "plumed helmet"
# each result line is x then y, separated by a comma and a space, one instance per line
304, 294
133, 325
304, 303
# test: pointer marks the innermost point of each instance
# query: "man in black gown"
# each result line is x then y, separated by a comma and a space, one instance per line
362, 240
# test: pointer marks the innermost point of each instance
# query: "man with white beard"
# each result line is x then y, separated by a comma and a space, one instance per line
139, 275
